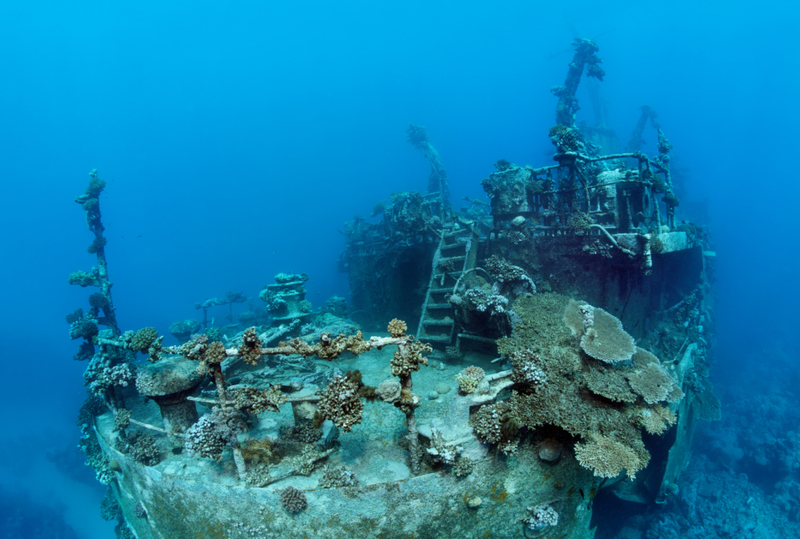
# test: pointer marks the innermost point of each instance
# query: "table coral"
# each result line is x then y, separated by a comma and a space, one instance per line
608, 457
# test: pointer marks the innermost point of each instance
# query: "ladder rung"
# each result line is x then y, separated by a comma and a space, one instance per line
437, 323
435, 338
441, 290
439, 306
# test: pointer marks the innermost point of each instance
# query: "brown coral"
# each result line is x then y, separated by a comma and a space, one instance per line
330, 348
469, 378
496, 424
250, 347
397, 328
341, 404
256, 401
211, 356
408, 358
293, 500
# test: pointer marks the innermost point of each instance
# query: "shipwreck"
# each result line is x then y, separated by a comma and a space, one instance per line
494, 369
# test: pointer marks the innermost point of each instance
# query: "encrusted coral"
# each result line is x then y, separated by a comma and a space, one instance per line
389, 390
143, 449
496, 424
143, 339
469, 378
293, 500
441, 451
527, 368
463, 467
408, 358
208, 437
337, 478
341, 403
249, 349
541, 516
256, 401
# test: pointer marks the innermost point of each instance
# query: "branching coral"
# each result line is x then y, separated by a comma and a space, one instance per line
293, 500
566, 139
469, 378
122, 419
209, 436
488, 302
579, 222
143, 449
527, 367
408, 358
541, 517
397, 328
441, 451
343, 402
147, 341
497, 424
510, 281
101, 375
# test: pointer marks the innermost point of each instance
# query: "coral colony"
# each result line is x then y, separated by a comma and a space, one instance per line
561, 345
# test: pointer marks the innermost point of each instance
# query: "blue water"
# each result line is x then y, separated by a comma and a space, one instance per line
236, 140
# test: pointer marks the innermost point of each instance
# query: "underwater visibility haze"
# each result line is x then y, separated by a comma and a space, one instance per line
399, 269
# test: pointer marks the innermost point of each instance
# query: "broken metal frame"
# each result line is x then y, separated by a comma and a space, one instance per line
569, 191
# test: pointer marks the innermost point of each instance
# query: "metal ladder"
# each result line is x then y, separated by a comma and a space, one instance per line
459, 249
